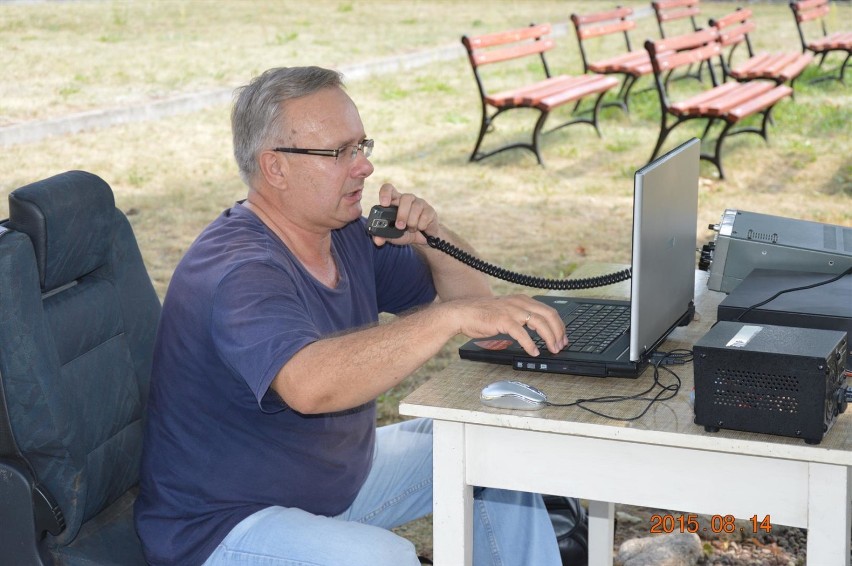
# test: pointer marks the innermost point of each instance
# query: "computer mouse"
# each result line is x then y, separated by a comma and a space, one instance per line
513, 395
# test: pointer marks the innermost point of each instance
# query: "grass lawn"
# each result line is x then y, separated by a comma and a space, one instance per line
173, 176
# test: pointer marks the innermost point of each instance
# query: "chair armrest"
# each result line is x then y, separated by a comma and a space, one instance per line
18, 537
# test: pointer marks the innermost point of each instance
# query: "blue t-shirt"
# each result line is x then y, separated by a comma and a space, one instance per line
219, 444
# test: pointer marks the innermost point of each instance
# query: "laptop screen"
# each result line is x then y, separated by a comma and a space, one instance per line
665, 216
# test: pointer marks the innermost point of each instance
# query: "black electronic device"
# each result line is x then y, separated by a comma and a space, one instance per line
381, 222
770, 379
807, 305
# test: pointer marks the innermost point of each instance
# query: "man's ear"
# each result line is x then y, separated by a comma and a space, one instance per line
273, 169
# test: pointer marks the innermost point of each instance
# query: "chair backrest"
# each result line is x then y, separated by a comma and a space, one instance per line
79, 315
599, 24
668, 54
734, 28
507, 45
807, 11
673, 52
673, 10
511, 44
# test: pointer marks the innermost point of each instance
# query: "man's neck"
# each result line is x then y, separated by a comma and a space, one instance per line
311, 248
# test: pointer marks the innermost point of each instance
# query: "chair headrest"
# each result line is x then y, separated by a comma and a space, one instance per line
69, 218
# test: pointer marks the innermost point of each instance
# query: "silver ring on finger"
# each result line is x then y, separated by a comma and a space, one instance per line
529, 316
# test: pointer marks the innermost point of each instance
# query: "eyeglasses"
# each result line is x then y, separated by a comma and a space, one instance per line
365, 146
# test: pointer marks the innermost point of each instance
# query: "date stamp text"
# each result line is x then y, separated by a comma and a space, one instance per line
670, 523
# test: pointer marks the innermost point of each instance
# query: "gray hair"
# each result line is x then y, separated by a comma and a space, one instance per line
258, 108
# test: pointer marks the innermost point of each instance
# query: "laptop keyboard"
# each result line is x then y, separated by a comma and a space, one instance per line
592, 327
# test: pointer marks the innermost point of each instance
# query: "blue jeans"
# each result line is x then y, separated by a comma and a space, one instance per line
510, 528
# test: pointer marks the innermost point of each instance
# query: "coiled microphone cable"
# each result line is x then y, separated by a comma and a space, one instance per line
520, 278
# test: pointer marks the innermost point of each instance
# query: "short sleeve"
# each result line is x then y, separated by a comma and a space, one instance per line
259, 323
403, 279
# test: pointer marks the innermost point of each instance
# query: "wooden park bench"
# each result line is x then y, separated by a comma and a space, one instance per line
543, 95
730, 102
780, 67
810, 11
632, 64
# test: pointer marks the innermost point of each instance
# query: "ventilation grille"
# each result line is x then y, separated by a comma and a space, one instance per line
837, 238
755, 390
757, 401
829, 237
762, 236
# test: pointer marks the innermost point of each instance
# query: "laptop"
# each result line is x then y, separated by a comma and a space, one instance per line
665, 215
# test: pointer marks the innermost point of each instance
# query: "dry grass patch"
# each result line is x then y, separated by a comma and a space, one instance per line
173, 176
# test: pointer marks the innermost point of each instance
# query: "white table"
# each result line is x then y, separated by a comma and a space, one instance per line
662, 460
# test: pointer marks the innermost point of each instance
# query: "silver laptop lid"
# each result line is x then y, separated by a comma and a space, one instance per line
665, 215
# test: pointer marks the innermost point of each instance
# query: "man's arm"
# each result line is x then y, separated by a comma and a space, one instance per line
452, 278
342, 372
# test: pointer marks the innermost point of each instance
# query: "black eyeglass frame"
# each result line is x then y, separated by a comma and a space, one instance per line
365, 146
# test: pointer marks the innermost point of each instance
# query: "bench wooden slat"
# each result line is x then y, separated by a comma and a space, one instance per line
808, 15
597, 31
509, 36
679, 14
782, 66
669, 4
761, 102
563, 84
691, 104
735, 17
737, 97
515, 96
686, 41
835, 41
618, 13
808, 4
735, 35
633, 63
514, 52
674, 59
599, 85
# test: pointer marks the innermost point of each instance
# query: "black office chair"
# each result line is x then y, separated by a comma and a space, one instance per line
78, 314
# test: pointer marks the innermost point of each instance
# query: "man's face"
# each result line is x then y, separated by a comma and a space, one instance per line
324, 192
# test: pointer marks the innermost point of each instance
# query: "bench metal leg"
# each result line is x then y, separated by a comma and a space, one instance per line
483, 129
487, 122
763, 131
536, 137
624, 93
716, 159
620, 98
664, 132
592, 121
840, 77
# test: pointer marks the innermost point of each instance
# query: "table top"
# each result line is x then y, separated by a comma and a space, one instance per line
453, 395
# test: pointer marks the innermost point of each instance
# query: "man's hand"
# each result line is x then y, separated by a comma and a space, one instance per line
481, 318
413, 215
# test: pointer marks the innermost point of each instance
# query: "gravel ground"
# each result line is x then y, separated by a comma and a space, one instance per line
781, 546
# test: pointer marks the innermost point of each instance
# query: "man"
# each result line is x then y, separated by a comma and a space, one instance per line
260, 444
